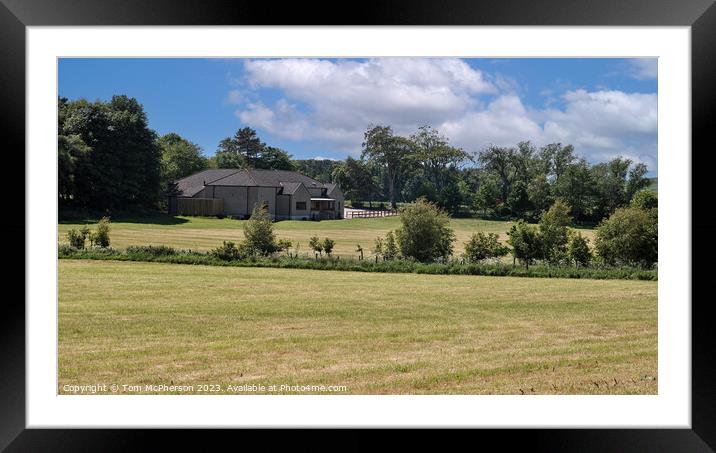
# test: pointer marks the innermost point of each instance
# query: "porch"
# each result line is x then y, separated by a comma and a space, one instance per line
323, 208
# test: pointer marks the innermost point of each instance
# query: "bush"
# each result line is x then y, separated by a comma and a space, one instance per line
228, 251
645, 199
151, 250
425, 234
483, 246
100, 237
553, 227
390, 247
526, 242
328, 246
316, 245
258, 232
578, 250
76, 239
629, 236
283, 245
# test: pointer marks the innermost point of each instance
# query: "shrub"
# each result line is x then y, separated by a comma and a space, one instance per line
258, 232
553, 227
483, 246
151, 250
359, 249
378, 246
76, 239
645, 199
328, 246
578, 250
425, 234
316, 245
628, 236
283, 245
100, 238
390, 247
526, 242
228, 251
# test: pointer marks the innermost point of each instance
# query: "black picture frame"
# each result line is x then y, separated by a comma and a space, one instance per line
700, 15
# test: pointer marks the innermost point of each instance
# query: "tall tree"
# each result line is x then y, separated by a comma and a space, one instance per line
390, 151
501, 162
438, 159
180, 157
356, 180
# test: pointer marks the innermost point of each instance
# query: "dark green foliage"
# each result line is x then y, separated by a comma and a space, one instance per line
328, 246
628, 237
151, 250
231, 256
645, 199
526, 242
553, 228
77, 238
180, 158
425, 234
259, 238
483, 246
227, 251
109, 158
578, 250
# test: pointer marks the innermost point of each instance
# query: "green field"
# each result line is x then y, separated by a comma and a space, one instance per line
151, 323
203, 233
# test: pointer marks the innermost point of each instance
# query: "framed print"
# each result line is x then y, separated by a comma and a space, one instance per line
419, 215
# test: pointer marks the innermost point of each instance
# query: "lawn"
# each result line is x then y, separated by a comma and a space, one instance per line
202, 233
150, 323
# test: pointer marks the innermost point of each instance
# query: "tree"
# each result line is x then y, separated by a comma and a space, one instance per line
355, 180
553, 227
71, 149
391, 152
259, 238
119, 165
316, 245
436, 157
180, 158
637, 180
500, 161
228, 155
248, 145
483, 246
526, 242
273, 158
328, 246
425, 234
578, 250
628, 236
390, 248
519, 200
645, 199
487, 195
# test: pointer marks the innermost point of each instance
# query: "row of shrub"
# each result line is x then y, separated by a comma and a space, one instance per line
164, 254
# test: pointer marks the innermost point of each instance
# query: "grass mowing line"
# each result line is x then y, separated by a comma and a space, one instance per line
152, 323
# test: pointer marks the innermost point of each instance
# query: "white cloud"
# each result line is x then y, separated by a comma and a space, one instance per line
644, 68
332, 103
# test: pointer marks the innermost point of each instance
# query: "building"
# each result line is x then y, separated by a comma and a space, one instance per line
234, 192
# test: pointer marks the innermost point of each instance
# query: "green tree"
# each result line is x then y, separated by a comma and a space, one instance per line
180, 157
425, 234
645, 199
259, 237
390, 247
526, 242
628, 236
273, 158
554, 229
389, 151
328, 246
355, 180
436, 157
487, 195
483, 246
316, 245
578, 250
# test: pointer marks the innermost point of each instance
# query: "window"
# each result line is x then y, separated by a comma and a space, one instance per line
300, 205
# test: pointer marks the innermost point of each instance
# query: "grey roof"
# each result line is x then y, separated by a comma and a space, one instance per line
191, 185
288, 180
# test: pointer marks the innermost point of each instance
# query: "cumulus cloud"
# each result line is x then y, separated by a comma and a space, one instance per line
332, 102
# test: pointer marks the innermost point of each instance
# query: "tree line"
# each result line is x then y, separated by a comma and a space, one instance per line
109, 158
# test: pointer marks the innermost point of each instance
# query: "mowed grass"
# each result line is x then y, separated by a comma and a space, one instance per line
204, 233
151, 323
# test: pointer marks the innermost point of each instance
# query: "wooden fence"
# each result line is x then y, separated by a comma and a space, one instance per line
370, 214
200, 206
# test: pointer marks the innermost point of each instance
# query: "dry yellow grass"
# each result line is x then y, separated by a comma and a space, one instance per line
149, 323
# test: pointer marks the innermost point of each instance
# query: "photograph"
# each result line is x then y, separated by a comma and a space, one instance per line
378, 225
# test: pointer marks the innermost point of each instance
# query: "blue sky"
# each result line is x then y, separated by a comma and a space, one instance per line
321, 107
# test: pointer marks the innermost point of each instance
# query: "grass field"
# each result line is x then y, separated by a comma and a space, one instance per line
151, 323
203, 233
